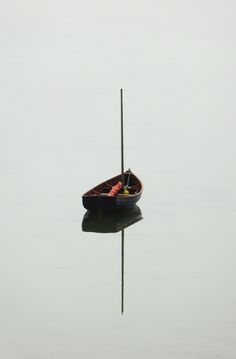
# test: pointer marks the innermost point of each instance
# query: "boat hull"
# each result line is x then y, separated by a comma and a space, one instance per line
94, 199
109, 203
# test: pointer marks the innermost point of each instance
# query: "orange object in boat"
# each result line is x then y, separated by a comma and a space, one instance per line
115, 189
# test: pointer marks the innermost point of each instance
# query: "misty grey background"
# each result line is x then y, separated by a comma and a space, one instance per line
62, 64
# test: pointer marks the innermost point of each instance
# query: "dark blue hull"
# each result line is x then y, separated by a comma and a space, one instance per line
96, 199
109, 203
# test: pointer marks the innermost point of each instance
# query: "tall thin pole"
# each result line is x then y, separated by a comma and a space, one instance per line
122, 270
122, 137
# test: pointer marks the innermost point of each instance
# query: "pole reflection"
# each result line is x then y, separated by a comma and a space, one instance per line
112, 222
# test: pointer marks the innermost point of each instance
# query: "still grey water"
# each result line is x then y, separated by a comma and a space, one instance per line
62, 66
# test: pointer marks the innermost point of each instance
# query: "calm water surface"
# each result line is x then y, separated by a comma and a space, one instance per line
60, 287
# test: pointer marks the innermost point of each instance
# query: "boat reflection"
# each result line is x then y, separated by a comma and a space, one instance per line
111, 222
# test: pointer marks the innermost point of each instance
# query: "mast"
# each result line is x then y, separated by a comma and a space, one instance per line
122, 138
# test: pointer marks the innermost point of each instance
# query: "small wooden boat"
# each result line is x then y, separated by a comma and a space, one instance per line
118, 192
112, 221
98, 197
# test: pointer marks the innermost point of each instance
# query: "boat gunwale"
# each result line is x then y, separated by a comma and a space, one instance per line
119, 196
